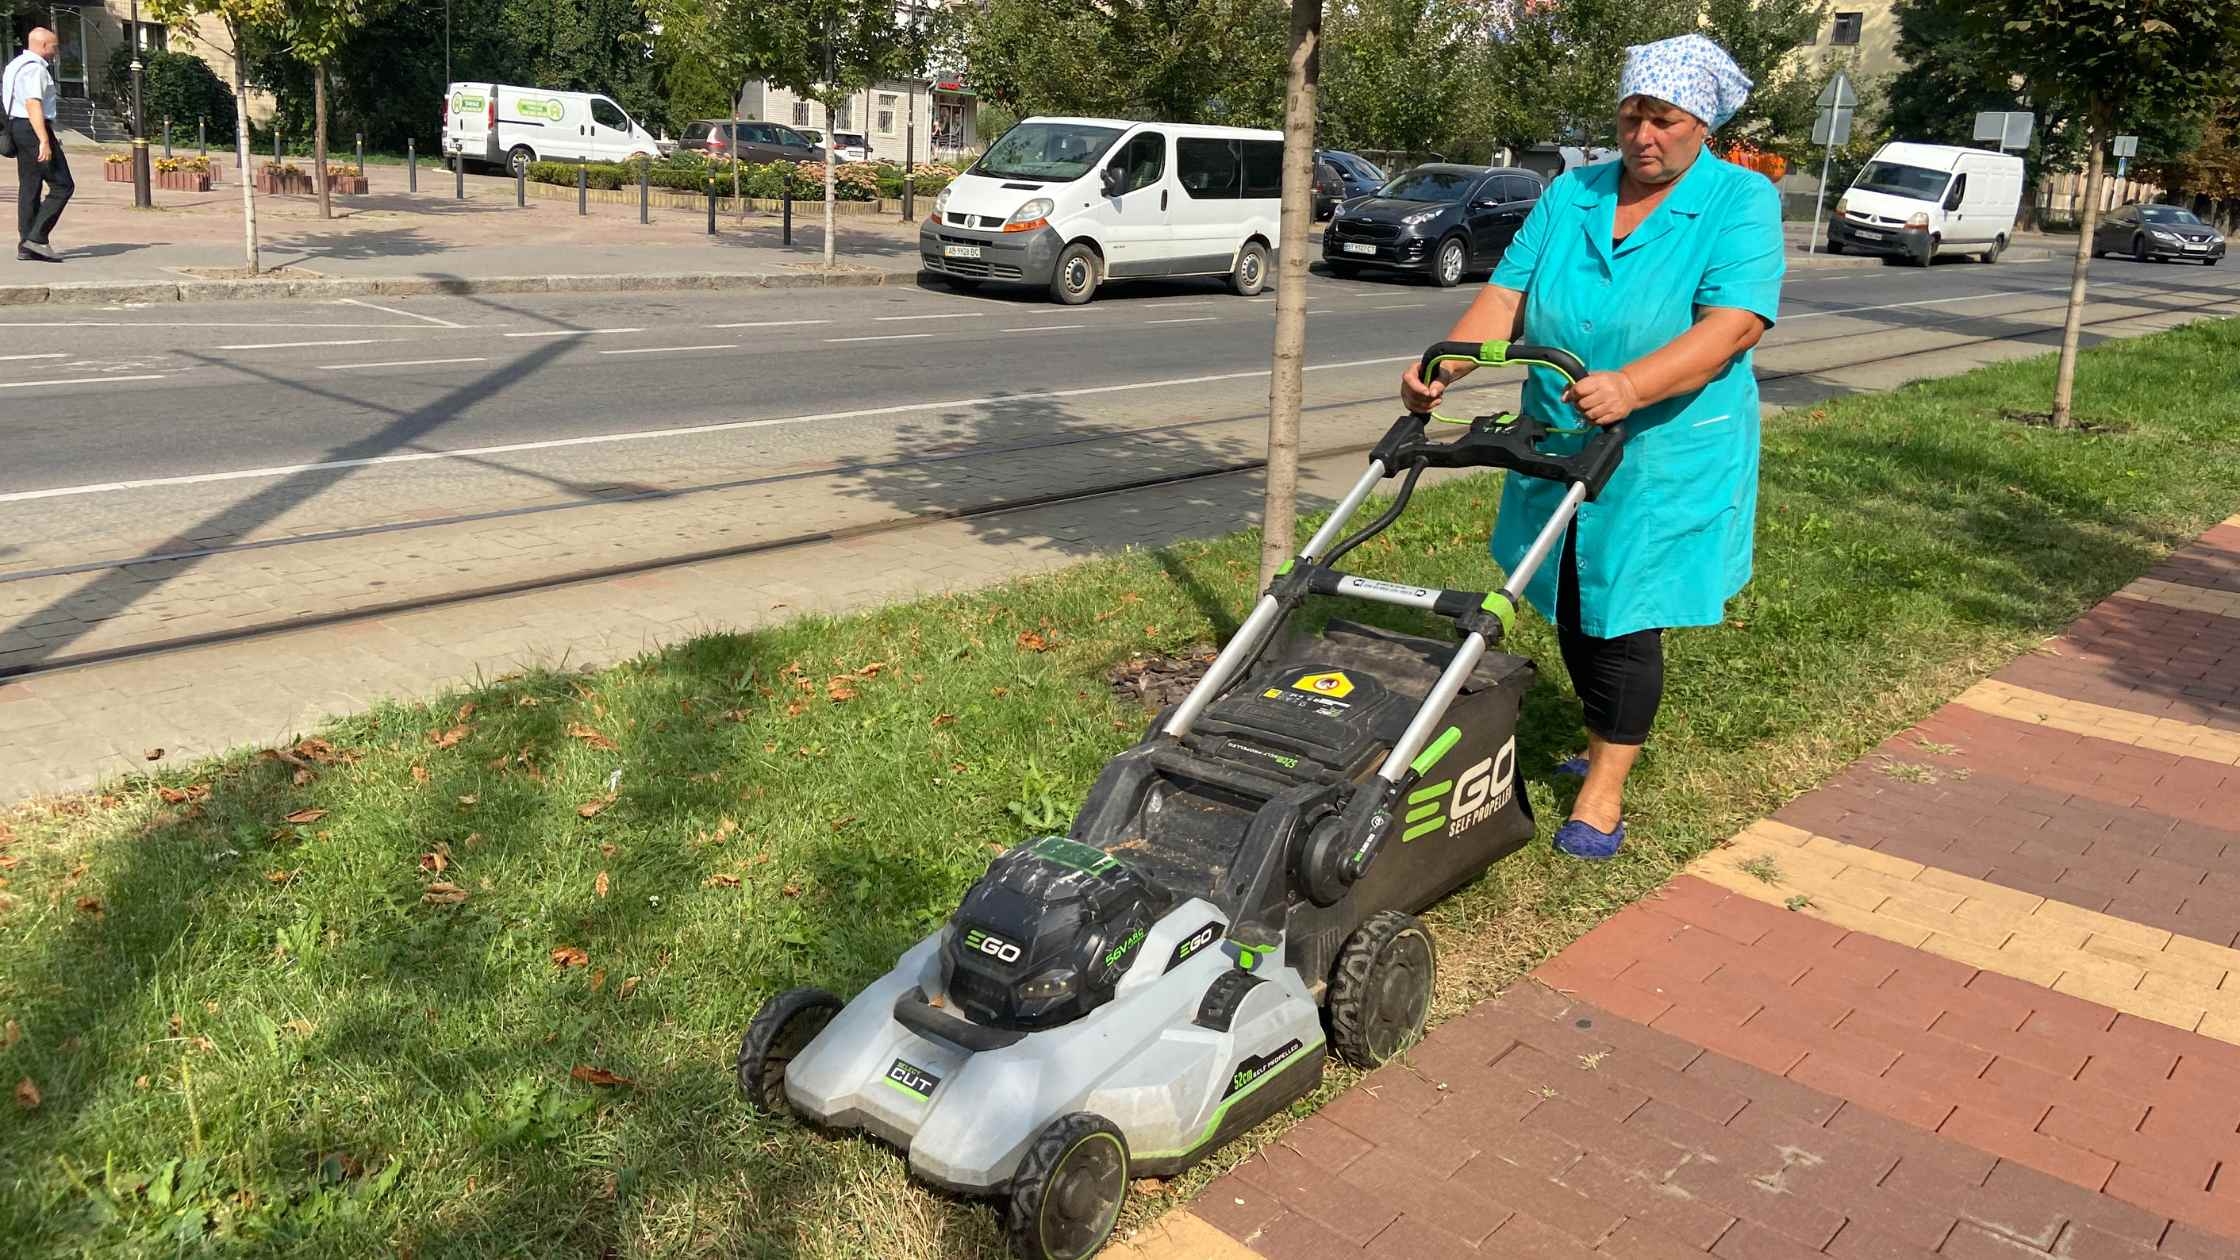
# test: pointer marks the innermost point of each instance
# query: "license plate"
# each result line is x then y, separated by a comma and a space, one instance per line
1864, 234
960, 251
1356, 247
2198, 248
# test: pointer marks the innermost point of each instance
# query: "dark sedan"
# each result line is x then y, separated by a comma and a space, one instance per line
1440, 219
2159, 233
753, 141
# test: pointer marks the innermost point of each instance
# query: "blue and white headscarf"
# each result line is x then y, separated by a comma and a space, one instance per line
1689, 71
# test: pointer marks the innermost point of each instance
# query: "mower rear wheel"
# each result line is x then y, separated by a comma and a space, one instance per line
1066, 1196
1381, 995
783, 1028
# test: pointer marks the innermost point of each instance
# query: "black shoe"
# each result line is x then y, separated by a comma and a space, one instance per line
36, 251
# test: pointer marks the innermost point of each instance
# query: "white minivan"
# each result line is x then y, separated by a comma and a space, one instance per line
1069, 203
1916, 201
499, 122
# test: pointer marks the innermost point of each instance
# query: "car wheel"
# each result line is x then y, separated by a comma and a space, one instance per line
517, 162
1066, 1196
2139, 249
1998, 247
1835, 246
1250, 275
1075, 280
1928, 256
1453, 257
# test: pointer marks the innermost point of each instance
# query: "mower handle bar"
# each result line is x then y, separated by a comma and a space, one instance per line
1503, 441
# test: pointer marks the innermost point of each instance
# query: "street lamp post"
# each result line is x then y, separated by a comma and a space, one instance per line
140, 180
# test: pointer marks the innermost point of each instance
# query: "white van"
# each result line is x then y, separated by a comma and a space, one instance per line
1072, 202
1916, 201
499, 122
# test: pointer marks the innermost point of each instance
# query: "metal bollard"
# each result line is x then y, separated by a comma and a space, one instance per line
361, 155
167, 135
411, 167
459, 176
583, 184
785, 196
711, 205
202, 135
276, 142
521, 187
645, 192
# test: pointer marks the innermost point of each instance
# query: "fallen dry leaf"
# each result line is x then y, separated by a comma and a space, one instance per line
470, 800
589, 808
444, 894
306, 816
794, 708
944, 719
841, 824
723, 881
280, 877
598, 980
629, 986
140, 1082
597, 1076
303, 776
999, 692
525, 702
465, 711
178, 1026
434, 863
1033, 642
180, 796
606, 848
599, 885
871, 670
153, 754
473, 840
447, 739
791, 889
840, 689
8, 861
569, 956
27, 1094
724, 828
419, 773
577, 730
10, 1033
92, 906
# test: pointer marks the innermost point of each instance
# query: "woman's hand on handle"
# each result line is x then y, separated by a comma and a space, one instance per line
1420, 396
1496, 315
1604, 398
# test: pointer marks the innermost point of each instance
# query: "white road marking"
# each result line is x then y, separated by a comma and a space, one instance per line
1404, 306
80, 380
889, 319
834, 341
17, 358
1168, 306
574, 332
647, 435
729, 345
1195, 319
1045, 328
1892, 306
299, 345
142, 323
338, 367
391, 310
772, 323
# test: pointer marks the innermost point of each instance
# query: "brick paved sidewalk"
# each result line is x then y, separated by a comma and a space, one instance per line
1976, 997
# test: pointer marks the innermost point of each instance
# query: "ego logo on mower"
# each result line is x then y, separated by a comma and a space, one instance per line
1483, 789
1259, 1065
912, 1079
993, 946
1194, 942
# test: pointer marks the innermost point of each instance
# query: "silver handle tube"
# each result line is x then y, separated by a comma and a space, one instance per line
1434, 711
1537, 554
1256, 627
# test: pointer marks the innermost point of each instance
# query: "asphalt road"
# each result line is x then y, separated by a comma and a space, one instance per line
122, 428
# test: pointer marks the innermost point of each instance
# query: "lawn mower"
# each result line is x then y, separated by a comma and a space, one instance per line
1234, 900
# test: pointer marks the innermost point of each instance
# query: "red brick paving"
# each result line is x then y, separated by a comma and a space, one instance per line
2213, 563
2145, 658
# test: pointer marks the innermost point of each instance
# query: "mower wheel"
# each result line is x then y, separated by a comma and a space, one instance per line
1066, 1196
783, 1028
1381, 994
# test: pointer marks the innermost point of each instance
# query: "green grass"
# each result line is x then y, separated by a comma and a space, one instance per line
257, 1036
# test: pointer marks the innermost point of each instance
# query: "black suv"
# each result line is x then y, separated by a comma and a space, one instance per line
1442, 219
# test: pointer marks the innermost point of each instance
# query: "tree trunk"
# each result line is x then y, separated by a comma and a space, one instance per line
319, 138
241, 157
831, 139
2065, 378
1287, 381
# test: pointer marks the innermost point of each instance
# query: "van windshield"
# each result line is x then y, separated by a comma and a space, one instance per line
1917, 182
1052, 152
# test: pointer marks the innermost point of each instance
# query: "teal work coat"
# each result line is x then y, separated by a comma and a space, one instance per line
1668, 542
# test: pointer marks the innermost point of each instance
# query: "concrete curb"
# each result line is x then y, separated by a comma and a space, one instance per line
280, 288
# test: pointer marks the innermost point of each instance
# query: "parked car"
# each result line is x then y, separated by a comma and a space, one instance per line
1442, 219
850, 146
503, 123
2159, 233
1359, 175
1329, 188
753, 141
1068, 203
1915, 201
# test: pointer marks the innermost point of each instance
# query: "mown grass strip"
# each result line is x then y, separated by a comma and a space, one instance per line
466, 977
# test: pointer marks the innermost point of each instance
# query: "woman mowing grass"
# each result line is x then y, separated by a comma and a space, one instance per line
1663, 270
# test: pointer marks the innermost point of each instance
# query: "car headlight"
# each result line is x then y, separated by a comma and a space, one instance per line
940, 202
2161, 235
1843, 206
1421, 217
1920, 219
1035, 213
1051, 985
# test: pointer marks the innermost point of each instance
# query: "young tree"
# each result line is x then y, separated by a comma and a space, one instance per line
1287, 375
244, 23
314, 31
2118, 61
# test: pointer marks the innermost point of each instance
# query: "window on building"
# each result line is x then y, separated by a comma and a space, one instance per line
1847, 28
150, 36
801, 113
841, 117
886, 113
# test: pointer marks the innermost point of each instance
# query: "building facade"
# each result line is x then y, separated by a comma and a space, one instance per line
90, 32
935, 119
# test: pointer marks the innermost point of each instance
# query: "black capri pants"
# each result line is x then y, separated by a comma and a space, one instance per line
1620, 681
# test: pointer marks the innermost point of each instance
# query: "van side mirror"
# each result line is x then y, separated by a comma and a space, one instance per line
1112, 179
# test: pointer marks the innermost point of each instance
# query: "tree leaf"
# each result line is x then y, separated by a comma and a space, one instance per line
599, 885
434, 862
443, 894
1033, 642
569, 956
419, 773
308, 815
577, 730
27, 1094
840, 689
447, 739
597, 1076
723, 881
592, 807
153, 754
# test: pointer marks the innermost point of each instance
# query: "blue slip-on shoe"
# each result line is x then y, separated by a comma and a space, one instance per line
1576, 768
1582, 840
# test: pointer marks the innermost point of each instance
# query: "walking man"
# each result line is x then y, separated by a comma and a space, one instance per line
28, 89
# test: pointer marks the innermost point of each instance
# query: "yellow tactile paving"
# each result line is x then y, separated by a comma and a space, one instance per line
2184, 739
2179, 595
2145, 971
1179, 1236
